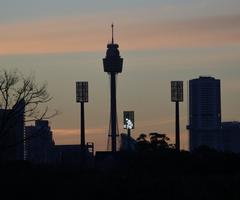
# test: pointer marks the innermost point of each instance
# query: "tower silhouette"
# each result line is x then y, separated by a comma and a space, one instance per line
112, 64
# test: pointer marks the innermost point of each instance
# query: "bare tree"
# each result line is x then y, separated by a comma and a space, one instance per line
21, 95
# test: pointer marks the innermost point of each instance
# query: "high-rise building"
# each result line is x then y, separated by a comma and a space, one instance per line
39, 144
12, 132
204, 112
230, 137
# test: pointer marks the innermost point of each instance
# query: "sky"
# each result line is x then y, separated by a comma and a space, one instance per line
62, 42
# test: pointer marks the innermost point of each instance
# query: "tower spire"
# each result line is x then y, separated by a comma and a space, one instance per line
112, 34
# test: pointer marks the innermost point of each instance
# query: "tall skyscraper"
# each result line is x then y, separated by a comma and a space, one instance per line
204, 112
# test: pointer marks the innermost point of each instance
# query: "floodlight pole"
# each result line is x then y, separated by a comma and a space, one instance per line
177, 127
177, 96
82, 97
128, 136
82, 126
128, 118
129, 132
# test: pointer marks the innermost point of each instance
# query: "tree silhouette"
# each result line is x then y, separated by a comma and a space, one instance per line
157, 141
143, 143
142, 137
21, 95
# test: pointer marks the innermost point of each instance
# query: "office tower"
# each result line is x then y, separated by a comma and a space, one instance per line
204, 112
12, 132
230, 137
39, 144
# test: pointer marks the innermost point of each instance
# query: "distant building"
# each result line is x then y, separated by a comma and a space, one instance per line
74, 154
230, 137
127, 143
70, 154
204, 112
39, 144
12, 132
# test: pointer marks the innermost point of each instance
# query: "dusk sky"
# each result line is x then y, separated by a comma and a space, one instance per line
64, 41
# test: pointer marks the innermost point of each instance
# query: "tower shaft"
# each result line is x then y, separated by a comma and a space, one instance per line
113, 112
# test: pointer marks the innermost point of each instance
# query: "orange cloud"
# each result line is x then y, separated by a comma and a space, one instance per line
64, 131
48, 36
99, 135
64, 35
72, 136
205, 32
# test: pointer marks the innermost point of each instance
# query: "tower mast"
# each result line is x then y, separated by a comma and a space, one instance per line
112, 64
112, 33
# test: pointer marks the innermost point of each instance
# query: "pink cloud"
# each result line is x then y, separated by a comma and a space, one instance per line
71, 34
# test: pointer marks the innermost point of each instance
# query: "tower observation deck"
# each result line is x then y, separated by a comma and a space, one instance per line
112, 64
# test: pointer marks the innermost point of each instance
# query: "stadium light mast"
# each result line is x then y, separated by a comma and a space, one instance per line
177, 96
112, 64
82, 97
129, 124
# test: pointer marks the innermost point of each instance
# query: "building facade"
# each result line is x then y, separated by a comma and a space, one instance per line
204, 112
12, 132
39, 143
230, 137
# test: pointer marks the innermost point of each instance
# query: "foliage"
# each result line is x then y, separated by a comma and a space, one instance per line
156, 141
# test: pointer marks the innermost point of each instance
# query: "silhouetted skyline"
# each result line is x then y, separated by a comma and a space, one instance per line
62, 42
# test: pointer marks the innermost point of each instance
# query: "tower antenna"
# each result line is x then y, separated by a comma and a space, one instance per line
112, 33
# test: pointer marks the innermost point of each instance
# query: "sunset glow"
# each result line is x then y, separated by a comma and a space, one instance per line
62, 42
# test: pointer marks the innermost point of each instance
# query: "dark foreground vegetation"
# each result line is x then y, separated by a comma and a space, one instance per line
166, 174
